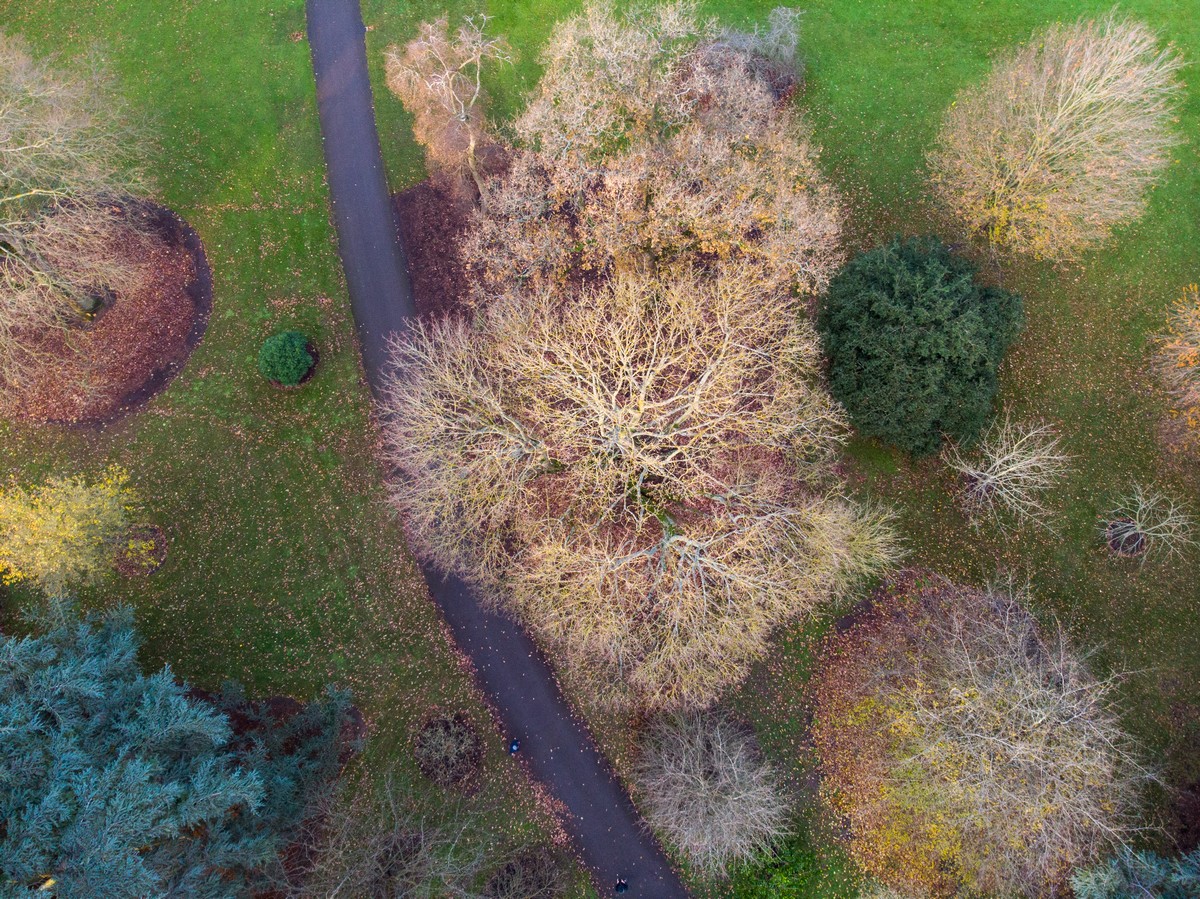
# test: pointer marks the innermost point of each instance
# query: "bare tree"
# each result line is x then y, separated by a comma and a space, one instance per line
969, 750
369, 842
656, 141
439, 80
704, 784
610, 81
1015, 467
1147, 522
66, 153
773, 52
1178, 357
1063, 140
642, 471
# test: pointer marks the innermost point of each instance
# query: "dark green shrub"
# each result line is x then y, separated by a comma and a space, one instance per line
533, 873
914, 342
285, 358
448, 749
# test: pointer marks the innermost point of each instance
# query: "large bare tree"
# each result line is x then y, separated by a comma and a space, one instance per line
1063, 140
653, 140
66, 157
641, 471
630, 445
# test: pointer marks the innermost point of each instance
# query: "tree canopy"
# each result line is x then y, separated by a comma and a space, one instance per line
115, 783
969, 751
914, 343
68, 158
1063, 140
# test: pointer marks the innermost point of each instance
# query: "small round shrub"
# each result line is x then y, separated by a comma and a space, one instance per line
285, 358
914, 343
706, 786
448, 749
532, 873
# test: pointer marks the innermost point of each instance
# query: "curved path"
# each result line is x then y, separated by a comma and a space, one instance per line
557, 748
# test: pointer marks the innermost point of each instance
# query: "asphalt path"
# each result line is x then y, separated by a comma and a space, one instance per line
555, 746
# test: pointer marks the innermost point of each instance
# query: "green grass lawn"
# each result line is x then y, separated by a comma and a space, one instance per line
880, 73
286, 569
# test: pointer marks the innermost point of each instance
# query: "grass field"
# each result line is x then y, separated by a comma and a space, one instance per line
880, 73
286, 569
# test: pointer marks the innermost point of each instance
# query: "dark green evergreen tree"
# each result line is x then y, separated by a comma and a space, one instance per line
1143, 874
914, 343
114, 783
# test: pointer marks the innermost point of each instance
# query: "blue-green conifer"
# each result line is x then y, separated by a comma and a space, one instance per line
115, 783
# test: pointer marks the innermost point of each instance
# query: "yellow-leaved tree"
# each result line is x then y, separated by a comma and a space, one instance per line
968, 750
65, 532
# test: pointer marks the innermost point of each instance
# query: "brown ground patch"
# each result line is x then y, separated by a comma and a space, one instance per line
432, 217
133, 346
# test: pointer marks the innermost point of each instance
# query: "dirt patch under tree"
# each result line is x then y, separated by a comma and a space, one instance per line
137, 342
432, 218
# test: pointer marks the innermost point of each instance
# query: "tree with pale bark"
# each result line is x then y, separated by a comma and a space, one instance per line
439, 79
641, 471
705, 785
1013, 468
65, 532
656, 140
1063, 140
970, 751
1146, 522
67, 163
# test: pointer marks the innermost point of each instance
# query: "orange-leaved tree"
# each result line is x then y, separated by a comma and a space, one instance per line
968, 750
641, 471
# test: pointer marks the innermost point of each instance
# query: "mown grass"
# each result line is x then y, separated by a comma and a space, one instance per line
286, 569
879, 75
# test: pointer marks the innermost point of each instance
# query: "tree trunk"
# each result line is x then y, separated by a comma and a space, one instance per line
473, 167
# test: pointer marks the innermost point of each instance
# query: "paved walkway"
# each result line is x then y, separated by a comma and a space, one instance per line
557, 748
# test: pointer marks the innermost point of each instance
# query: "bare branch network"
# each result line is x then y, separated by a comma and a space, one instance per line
439, 80
654, 139
1064, 139
1011, 472
641, 470
705, 784
373, 839
65, 154
1148, 523
968, 749
630, 445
